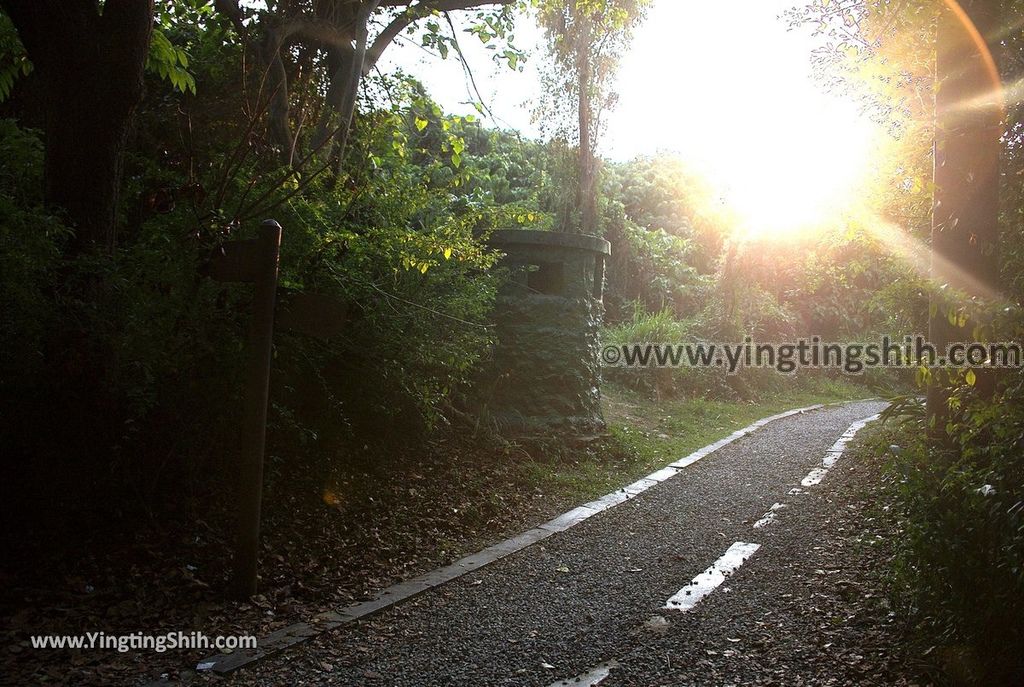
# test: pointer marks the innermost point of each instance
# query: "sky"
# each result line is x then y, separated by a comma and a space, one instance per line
695, 67
726, 86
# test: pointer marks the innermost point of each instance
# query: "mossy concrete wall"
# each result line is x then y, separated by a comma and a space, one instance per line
548, 318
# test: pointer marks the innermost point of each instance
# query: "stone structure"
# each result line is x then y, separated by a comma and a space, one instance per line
546, 378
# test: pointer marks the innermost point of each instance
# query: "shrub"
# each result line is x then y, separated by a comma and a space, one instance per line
961, 565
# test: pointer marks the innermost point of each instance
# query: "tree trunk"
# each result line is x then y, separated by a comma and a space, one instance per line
965, 216
91, 68
85, 145
586, 193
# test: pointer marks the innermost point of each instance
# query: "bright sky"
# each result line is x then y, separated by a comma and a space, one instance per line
725, 84
692, 63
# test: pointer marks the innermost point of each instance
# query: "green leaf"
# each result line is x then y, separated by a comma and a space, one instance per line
970, 378
421, 124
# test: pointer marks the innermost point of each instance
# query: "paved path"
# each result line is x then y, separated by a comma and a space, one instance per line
791, 601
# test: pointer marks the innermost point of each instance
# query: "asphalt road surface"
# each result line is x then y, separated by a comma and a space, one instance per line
751, 566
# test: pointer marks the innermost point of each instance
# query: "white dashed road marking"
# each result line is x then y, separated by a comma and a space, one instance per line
709, 580
814, 477
701, 586
767, 518
832, 455
834, 452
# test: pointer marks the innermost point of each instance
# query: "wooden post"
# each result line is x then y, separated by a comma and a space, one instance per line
255, 261
254, 423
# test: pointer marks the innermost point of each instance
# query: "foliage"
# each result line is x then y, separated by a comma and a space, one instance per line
169, 62
13, 62
961, 566
693, 382
663, 247
109, 359
1011, 59
165, 59
674, 258
30, 245
156, 347
308, 60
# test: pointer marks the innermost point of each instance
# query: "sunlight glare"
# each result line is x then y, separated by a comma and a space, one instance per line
783, 155
917, 256
797, 168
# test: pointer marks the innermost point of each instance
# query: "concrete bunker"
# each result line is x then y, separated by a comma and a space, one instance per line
546, 374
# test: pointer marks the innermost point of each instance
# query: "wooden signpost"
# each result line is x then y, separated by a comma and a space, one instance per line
256, 261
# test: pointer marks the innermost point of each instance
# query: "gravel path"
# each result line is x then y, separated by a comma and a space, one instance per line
804, 609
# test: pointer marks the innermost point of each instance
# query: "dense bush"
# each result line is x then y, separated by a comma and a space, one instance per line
960, 477
108, 357
961, 568
663, 253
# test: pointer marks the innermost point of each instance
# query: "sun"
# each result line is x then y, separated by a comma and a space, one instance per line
796, 169
782, 154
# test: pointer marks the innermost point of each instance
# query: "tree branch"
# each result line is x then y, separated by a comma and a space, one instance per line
231, 10
465, 67
412, 14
